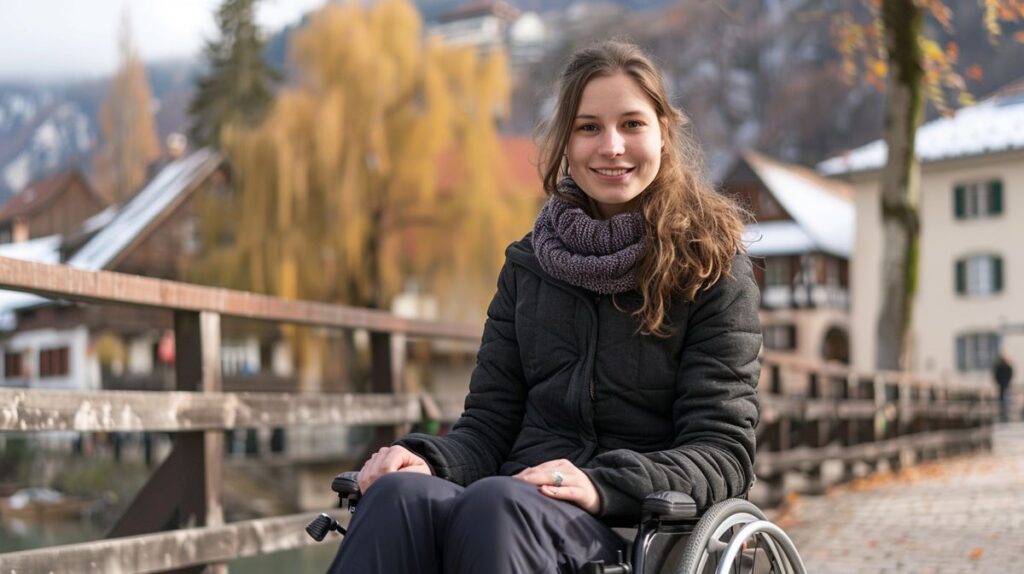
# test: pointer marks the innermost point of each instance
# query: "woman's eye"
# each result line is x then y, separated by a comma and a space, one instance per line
634, 124
587, 128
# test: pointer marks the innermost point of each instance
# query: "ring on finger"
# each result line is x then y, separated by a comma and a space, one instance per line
557, 478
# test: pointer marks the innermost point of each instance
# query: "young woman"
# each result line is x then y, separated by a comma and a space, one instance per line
619, 357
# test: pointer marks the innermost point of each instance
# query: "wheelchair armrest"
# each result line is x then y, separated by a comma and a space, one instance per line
346, 484
670, 505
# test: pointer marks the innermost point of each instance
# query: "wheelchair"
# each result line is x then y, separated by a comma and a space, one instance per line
732, 536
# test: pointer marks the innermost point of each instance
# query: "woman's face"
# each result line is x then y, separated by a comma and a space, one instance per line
614, 151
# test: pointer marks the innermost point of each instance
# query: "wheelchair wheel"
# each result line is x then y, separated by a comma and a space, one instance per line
734, 536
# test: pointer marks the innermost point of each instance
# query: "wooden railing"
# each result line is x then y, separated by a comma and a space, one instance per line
811, 414
815, 414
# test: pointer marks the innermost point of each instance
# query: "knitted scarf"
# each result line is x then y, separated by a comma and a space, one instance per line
598, 255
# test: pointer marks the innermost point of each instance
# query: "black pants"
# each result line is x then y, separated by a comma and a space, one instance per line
414, 523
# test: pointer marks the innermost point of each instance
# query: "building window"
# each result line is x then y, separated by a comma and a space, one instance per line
976, 351
978, 199
777, 271
13, 366
780, 337
190, 236
53, 362
979, 275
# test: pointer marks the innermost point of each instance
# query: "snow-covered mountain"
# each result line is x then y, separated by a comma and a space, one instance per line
44, 128
40, 131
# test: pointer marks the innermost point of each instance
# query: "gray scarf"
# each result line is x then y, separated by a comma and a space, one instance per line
598, 255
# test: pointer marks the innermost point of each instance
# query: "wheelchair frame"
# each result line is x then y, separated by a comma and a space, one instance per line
727, 537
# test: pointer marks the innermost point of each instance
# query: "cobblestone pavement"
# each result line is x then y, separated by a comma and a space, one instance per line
964, 514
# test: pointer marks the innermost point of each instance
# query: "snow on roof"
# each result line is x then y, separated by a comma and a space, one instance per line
776, 238
42, 249
139, 213
990, 126
120, 227
97, 221
821, 207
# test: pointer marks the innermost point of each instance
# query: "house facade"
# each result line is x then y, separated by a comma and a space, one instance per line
969, 300
53, 205
49, 344
800, 241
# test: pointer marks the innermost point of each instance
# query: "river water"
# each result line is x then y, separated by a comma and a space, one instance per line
23, 535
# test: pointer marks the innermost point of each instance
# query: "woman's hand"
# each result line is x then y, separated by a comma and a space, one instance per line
575, 486
390, 459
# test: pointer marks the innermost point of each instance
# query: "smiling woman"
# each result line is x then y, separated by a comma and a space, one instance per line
615, 149
619, 357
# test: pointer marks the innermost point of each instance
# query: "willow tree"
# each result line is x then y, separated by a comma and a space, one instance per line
337, 196
898, 52
126, 121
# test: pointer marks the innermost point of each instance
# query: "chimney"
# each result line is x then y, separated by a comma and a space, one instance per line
176, 145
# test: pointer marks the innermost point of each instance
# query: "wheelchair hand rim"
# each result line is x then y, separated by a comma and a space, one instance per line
748, 531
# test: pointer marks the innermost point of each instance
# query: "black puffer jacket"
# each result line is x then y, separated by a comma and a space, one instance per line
561, 373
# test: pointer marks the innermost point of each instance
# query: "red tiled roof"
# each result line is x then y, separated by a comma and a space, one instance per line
520, 155
38, 194
518, 165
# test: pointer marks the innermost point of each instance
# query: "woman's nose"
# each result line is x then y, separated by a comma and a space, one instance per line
613, 144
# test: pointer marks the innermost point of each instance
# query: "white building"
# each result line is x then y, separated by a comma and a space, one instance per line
800, 243
493, 24
970, 295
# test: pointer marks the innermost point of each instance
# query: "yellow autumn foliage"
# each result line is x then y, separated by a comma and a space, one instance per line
337, 195
863, 51
126, 122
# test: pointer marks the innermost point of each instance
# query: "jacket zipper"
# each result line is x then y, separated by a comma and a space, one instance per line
593, 374
576, 291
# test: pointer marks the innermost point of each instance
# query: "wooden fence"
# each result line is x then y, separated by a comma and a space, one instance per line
811, 414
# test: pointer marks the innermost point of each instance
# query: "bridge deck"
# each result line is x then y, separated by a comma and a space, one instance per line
964, 514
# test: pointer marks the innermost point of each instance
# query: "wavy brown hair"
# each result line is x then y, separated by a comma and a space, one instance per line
693, 232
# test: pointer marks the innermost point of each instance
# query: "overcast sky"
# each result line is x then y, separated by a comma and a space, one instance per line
63, 39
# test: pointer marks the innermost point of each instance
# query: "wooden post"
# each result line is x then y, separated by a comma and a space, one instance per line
848, 426
382, 376
383, 379
781, 441
898, 424
185, 490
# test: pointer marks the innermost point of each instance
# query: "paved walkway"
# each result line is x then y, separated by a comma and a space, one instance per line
961, 515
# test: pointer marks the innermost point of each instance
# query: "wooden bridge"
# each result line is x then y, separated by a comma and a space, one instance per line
813, 415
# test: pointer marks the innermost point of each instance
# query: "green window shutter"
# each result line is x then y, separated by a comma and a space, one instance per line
997, 273
961, 276
961, 353
995, 197
960, 201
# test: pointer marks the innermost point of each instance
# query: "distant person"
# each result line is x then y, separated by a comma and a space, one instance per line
1003, 373
619, 357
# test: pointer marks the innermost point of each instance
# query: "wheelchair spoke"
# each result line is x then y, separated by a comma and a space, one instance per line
734, 537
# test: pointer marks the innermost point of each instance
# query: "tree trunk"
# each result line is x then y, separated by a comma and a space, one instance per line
901, 20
